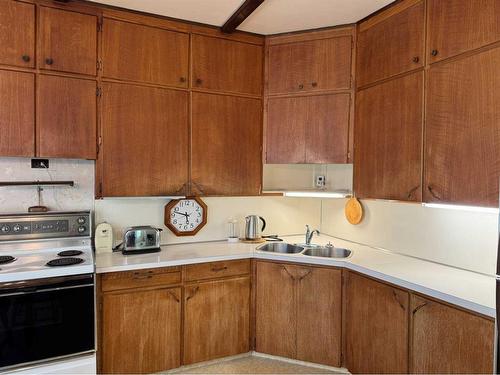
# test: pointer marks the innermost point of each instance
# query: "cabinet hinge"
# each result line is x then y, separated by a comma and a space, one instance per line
98, 92
99, 64
100, 189
99, 25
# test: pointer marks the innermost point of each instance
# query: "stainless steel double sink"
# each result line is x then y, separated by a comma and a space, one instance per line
314, 251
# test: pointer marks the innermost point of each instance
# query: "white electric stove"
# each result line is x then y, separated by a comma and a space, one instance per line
47, 293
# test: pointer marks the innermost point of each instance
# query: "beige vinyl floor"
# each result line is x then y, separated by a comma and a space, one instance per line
254, 365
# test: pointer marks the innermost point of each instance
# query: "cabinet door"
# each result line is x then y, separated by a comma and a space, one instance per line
309, 129
446, 340
275, 309
225, 65
67, 117
68, 41
17, 33
226, 145
319, 315
376, 327
17, 113
309, 66
141, 331
392, 46
145, 54
457, 26
217, 319
144, 141
462, 135
388, 140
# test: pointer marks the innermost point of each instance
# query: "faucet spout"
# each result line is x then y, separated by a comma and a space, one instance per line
309, 234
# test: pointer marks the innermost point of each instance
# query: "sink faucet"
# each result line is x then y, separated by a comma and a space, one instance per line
309, 234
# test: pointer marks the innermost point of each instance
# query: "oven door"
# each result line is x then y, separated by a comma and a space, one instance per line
46, 319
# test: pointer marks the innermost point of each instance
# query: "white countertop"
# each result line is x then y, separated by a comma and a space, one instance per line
463, 288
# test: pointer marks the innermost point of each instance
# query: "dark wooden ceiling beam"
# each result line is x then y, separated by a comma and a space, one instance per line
240, 15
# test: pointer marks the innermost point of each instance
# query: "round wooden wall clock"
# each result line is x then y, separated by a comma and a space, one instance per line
186, 216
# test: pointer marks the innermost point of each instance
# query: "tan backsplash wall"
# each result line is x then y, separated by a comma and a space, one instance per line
459, 238
284, 216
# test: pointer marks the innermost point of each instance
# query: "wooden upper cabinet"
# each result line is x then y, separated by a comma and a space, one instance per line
226, 65
446, 340
141, 331
390, 45
315, 65
17, 113
144, 141
67, 117
217, 319
68, 41
17, 33
144, 54
226, 148
388, 140
462, 135
376, 331
457, 26
307, 129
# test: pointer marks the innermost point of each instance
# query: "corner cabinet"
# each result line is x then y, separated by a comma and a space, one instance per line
298, 311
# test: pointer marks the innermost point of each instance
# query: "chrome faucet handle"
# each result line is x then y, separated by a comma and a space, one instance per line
308, 234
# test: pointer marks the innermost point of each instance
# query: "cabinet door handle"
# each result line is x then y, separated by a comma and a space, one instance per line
193, 293
49, 61
26, 58
434, 52
396, 297
416, 59
314, 84
309, 271
173, 295
182, 79
199, 81
433, 193
412, 192
219, 269
301, 86
419, 307
199, 187
288, 272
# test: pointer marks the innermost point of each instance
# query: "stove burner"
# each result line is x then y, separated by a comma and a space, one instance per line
4, 259
70, 253
64, 262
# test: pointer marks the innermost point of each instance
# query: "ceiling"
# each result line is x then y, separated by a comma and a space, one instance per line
271, 17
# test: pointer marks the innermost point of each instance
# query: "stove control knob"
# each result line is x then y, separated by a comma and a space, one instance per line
6, 228
81, 220
16, 228
81, 229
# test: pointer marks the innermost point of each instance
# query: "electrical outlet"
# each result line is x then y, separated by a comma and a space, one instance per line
40, 163
320, 181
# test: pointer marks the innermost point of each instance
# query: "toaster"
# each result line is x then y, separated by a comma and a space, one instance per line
139, 240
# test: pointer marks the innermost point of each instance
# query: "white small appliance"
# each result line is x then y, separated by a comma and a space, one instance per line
103, 239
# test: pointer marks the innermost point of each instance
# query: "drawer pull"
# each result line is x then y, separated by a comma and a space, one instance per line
193, 293
173, 295
419, 307
219, 269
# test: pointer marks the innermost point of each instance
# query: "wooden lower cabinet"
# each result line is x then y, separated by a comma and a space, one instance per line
448, 340
141, 330
376, 330
216, 319
298, 312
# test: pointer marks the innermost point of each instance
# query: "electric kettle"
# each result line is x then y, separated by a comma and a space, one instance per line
252, 228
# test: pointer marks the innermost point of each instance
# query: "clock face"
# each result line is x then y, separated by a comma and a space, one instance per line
186, 216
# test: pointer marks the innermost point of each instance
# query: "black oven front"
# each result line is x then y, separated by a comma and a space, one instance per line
46, 319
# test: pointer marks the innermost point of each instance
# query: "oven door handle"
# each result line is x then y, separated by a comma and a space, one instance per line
40, 290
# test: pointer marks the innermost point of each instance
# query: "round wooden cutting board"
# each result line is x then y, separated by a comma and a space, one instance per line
353, 211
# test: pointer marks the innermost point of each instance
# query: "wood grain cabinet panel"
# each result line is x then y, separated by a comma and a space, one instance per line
67, 117
388, 140
226, 145
275, 310
319, 315
457, 26
144, 130
315, 65
392, 46
217, 319
141, 331
226, 65
145, 54
376, 330
446, 340
17, 113
68, 41
308, 129
462, 135
17, 33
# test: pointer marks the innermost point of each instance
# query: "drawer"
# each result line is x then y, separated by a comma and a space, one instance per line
140, 278
213, 270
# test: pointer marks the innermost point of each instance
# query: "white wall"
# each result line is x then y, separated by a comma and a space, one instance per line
18, 199
284, 216
459, 238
